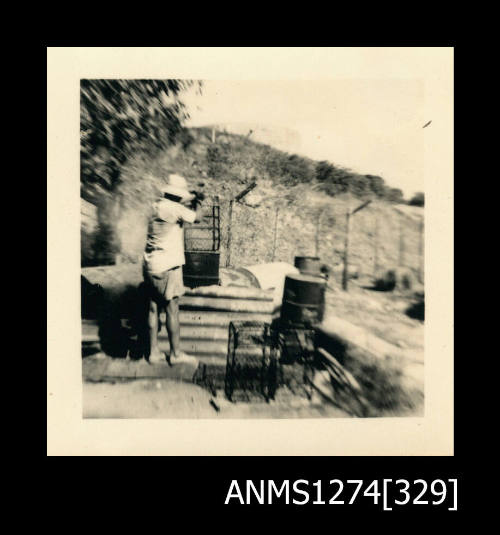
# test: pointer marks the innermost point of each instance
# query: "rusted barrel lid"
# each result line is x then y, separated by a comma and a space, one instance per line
309, 265
303, 299
304, 289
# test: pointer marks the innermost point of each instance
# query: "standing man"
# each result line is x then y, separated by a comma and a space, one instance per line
163, 261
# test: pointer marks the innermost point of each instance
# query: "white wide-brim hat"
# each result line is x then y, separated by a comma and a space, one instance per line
177, 186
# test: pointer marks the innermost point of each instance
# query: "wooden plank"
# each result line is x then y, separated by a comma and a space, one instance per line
230, 292
245, 191
209, 318
201, 227
360, 207
196, 332
194, 322
211, 348
230, 305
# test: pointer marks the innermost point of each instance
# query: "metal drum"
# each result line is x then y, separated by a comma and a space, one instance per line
201, 268
309, 265
303, 300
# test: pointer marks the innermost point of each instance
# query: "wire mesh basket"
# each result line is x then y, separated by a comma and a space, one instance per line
252, 361
297, 359
297, 345
204, 235
201, 246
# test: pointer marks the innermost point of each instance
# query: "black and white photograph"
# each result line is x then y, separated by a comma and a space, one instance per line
252, 249
255, 248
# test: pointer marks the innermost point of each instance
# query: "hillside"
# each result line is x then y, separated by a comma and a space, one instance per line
289, 195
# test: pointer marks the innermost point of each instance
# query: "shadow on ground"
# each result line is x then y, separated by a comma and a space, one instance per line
121, 317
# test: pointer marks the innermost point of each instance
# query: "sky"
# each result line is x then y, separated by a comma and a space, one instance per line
369, 126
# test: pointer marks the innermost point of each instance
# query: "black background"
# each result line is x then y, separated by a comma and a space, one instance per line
183, 491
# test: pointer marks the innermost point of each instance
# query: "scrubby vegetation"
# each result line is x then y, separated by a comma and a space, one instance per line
417, 200
234, 155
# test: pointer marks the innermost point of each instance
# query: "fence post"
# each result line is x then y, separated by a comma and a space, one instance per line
275, 233
345, 272
236, 198
229, 223
349, 213
316, 253
401, 242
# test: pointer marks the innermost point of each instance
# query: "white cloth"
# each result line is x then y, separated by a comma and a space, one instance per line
165, 242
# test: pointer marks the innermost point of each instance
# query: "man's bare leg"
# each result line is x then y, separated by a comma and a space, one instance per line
155, 352
173, 327
162, 317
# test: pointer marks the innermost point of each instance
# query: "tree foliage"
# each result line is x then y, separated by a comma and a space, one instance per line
233, 156
119, 118
417, 200
333, 179
217, 160
394, 195
296, 169
377, 185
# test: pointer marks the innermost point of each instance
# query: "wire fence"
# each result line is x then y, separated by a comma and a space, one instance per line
381, 236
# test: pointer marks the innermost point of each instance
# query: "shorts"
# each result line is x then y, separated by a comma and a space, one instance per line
164, 286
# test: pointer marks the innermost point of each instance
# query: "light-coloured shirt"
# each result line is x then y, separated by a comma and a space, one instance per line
165, 242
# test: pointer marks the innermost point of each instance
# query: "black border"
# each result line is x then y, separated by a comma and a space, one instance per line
42, 229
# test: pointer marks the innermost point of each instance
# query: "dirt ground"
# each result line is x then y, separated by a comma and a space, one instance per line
382, 313
166, 398
132, 391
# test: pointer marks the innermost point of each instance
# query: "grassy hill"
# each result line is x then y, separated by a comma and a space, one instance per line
289, 188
